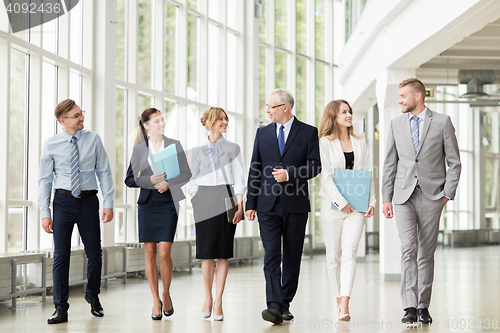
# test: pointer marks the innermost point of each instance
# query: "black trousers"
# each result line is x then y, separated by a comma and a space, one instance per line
275, 225
85, 213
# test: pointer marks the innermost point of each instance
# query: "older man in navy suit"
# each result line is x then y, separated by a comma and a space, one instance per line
285, 156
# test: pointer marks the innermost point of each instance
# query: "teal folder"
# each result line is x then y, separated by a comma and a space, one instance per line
166, 161
354, 185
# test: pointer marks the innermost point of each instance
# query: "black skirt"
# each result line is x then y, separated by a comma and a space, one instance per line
157, 219
214, 234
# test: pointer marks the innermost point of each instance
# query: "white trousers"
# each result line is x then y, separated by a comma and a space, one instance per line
341, 233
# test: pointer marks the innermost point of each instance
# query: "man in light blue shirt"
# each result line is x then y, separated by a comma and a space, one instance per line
70, 162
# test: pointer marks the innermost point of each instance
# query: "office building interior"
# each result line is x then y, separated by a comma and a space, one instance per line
116, 58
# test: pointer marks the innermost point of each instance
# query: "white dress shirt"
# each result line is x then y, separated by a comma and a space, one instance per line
217, 163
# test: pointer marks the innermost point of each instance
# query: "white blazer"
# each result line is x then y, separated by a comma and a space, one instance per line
332, 156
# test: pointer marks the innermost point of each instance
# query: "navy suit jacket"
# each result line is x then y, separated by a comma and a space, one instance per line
301, 160
139, 172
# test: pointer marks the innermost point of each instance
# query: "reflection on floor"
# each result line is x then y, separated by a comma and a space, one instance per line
465, 298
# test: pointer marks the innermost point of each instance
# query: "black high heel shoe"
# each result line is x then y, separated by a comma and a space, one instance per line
158, 316
170, 312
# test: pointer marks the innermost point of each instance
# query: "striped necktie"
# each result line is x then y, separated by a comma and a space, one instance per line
414, 132
75, 168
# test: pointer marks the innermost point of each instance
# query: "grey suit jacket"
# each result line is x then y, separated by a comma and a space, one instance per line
403, 167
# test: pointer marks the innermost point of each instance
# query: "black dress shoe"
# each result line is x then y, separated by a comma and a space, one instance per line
59, 316
272, 314
95, 306
424, 316
410, 316
158, 316
287, 315
170, 312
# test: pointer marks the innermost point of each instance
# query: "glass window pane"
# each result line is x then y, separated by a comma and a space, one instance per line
171, 111
193, 126
195, 4
301, 6
214, 9
281, 23
50, 35
121, 32
488, 131
170, 83
24, 34
262, 23
213, 65
320, 98
193, 58
75, 88
281, 70
120, 225
76, 33
15, 230
320, 27
232, 14
262, 82
465, 185
143, 102
120, 145
17, 133
232, 71
488, 184
144, 44
49, 100
301, 94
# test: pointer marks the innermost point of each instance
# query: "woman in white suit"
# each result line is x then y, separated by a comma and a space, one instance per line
342, 227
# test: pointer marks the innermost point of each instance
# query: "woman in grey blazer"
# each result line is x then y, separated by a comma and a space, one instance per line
158, 204
342, 227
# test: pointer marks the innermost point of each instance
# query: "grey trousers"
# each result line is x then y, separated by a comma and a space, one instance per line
418, 226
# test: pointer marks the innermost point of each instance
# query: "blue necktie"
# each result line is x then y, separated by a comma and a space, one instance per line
75, 168
281, 139
414, 132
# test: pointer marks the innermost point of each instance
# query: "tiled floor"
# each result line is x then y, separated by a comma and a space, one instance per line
466, 297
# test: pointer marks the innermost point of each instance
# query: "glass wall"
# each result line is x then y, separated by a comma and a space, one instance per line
180, 56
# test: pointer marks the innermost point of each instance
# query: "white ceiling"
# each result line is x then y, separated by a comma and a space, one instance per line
479, 51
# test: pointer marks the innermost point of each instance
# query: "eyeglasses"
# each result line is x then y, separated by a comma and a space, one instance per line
272, 107
77, 116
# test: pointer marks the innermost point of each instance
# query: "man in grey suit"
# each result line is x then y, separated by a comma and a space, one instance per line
416, 179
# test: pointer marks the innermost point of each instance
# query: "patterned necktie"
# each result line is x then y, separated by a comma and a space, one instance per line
75, 168
281, 139
414, 132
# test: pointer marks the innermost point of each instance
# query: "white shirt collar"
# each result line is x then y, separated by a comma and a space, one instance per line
422, 115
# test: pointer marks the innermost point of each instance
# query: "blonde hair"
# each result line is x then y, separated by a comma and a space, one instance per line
212, 114
328, 125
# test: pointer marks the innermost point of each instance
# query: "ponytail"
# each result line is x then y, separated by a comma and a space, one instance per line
142, 134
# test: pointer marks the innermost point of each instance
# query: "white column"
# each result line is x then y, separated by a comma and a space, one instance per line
104, 107
251, 89
387, 86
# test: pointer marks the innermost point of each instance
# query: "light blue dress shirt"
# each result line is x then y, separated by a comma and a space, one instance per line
55, 168
286, 129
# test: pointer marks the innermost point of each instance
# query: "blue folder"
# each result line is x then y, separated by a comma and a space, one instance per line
166, 161
354, 185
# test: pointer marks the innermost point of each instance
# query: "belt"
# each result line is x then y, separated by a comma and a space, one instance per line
83, 194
